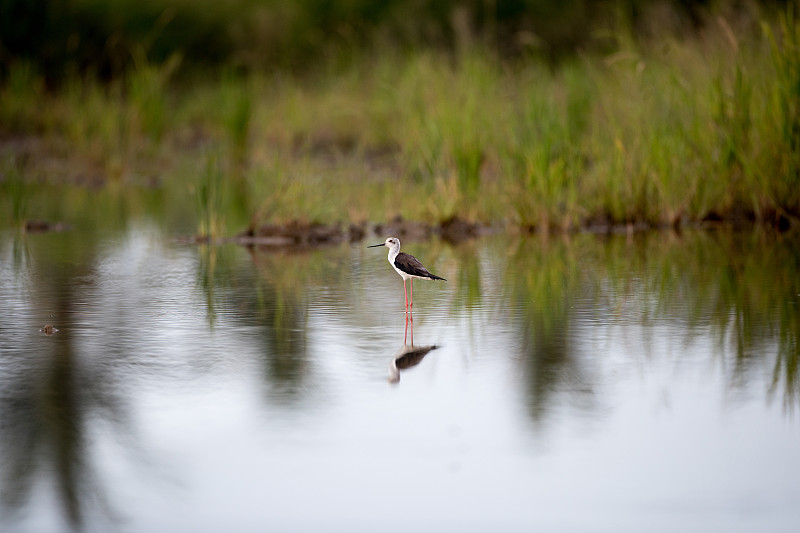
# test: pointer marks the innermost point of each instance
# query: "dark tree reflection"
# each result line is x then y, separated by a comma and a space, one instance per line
50, 394
741, 290
279, 305
545, 282
272, 300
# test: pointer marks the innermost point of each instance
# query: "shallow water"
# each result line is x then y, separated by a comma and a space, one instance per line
590, 383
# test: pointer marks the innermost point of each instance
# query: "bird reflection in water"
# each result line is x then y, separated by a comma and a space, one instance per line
409, 355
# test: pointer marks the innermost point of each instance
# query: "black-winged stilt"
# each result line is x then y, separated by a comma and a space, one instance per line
407, 266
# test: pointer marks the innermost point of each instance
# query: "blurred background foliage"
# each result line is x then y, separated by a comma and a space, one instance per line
104, 37
540, 114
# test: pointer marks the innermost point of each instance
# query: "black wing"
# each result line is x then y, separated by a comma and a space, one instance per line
411, 266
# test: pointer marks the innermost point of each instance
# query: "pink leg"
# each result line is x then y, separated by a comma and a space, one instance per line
411, 305
405, 291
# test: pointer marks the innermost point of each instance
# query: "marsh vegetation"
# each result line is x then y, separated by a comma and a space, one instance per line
656, 116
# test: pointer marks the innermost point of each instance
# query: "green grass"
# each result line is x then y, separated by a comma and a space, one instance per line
16, 189
663, 131
784, 112
209, 193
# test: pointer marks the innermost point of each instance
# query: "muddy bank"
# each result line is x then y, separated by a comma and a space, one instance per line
302, 234
297, 234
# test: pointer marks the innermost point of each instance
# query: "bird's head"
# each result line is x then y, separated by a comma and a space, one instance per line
391, 242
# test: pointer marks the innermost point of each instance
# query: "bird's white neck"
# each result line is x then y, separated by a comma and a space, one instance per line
393, 251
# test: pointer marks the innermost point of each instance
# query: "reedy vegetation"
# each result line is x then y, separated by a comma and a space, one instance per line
662, 132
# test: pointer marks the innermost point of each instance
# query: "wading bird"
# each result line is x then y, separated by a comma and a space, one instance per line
407, 266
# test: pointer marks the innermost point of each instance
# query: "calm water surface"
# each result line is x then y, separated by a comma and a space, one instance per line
579, 384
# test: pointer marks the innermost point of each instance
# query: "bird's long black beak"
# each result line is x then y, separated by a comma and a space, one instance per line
376, 245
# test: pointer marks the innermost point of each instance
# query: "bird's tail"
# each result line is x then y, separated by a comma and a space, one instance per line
434, 276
